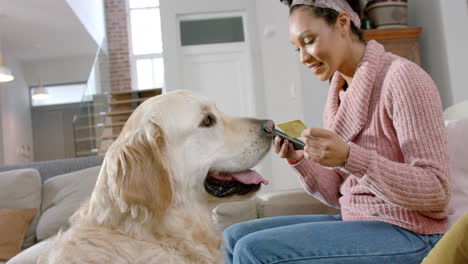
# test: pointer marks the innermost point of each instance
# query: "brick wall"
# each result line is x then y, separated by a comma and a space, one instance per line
117, 37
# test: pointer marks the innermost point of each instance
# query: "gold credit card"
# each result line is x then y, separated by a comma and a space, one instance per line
293, 128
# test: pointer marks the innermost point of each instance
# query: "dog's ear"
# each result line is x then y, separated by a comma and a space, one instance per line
138, 174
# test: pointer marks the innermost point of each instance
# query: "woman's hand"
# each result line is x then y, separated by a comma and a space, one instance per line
286, 150
325, 147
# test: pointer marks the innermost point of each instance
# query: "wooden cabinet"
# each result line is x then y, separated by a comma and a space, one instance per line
403, 42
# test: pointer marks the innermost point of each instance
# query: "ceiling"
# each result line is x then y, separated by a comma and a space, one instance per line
42, 29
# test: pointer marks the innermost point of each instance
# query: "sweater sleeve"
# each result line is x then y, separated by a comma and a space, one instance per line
421, 181
321, 182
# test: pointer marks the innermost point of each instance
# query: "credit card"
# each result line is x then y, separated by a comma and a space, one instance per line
293, 128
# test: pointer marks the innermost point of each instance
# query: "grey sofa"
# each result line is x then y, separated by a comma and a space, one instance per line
55, 188
48, 169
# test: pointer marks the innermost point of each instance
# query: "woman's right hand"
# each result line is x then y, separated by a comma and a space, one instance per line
286, 150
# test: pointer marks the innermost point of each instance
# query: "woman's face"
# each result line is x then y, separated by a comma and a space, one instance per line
317, 43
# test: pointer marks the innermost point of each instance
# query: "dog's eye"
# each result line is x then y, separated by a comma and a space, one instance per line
208, 121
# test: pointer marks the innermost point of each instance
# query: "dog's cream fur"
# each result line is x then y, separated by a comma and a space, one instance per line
149, 204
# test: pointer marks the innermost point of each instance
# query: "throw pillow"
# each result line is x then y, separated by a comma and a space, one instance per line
458, 153
452, 247
22, 189
14, 224
62, 195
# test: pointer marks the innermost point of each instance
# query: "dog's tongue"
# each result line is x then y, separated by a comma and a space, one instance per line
249, 177
245, 177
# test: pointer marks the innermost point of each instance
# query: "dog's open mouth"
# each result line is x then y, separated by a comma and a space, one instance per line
223, 184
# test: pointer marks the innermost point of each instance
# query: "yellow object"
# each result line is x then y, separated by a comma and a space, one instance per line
452, 248
5, 73
293, 128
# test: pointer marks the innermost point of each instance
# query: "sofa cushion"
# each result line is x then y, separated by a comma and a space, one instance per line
458, 154
14, 224
22, 189
62, 195
456, 111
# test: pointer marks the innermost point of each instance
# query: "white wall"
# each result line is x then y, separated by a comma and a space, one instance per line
443, 44
53, 131
16, 117
58, 70
290, 91
455, 24
2, 98
91, 15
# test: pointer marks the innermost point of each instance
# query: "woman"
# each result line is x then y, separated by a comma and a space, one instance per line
382, 157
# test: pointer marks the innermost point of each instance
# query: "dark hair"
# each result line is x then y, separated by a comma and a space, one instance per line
330, 15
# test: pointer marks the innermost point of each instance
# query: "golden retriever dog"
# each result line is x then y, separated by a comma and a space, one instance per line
175, 154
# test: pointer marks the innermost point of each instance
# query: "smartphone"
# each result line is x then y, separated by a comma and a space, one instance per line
298, 144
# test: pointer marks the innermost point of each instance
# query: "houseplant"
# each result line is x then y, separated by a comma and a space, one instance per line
387, 13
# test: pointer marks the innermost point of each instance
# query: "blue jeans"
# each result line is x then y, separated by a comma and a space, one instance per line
308, 239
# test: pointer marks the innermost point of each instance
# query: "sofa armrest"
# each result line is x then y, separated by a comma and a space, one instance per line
228, 213
287, 202
31, 254
290, 202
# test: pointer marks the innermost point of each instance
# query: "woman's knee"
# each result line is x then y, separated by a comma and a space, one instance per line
236, 231
249, 249
233, 233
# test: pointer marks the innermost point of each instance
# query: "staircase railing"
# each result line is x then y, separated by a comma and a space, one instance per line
88, 124
103, 112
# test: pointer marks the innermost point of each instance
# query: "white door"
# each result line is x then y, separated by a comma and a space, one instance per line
220, 71
221, 76
227, 72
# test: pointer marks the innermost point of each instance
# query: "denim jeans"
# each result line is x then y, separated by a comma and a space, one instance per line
324, 239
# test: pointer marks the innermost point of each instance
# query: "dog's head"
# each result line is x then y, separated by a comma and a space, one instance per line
180, 143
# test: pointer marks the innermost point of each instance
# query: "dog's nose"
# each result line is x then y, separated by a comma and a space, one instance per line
268, 126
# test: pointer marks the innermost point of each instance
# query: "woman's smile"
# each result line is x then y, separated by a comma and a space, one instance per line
315, 67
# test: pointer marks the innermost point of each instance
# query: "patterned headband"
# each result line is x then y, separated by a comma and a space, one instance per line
337, 5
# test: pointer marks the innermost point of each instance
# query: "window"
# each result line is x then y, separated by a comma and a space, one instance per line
211, 31
146, 44
61, 94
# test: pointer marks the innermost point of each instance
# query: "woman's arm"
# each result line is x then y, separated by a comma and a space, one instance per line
321, 182
421, 181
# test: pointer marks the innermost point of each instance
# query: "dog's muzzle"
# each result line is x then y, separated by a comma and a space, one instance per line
227, 184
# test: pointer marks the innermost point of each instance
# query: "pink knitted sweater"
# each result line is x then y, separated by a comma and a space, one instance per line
397, 170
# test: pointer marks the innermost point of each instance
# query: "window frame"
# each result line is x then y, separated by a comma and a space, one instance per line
133, 58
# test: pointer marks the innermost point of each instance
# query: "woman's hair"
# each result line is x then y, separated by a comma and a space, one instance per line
330, 15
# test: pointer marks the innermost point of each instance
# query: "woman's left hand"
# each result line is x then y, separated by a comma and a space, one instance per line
325, 147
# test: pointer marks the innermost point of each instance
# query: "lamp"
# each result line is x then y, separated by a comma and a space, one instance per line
39, 93
5, 73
